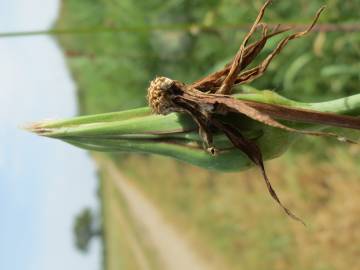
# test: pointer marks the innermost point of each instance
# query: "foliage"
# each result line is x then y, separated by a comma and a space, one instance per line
113, 69
84, 229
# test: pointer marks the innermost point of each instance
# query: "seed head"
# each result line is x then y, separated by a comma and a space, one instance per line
159, 95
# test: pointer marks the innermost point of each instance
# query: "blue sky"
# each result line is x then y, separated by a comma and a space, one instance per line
43, 183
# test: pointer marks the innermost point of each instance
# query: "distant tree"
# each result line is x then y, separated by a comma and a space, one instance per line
85, 229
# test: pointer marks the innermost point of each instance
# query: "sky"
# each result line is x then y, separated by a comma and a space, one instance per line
43, 183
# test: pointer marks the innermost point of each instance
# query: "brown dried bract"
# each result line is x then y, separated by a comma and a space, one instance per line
209, 97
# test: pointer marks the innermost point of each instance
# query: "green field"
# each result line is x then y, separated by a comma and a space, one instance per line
230, 216
233, 216
124, 245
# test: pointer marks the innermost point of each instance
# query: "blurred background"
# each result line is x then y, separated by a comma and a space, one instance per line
62, 208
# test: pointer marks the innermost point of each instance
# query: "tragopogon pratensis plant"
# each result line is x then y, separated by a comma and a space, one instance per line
208, 98
203, 124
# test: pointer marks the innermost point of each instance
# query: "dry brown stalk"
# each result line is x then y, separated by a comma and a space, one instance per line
208, 98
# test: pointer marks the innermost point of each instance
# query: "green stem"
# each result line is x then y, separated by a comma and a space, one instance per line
176, 136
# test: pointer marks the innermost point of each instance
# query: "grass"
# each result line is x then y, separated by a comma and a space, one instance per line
117, 254
232, 215
121, 234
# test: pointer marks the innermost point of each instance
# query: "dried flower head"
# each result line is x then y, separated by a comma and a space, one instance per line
159, 96
209, 97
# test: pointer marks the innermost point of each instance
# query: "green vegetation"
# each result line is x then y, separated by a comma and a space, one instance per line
122, 239
117, 254
113, 69
85, 229
230, 215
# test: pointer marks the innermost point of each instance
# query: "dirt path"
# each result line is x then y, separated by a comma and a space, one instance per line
172, 250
